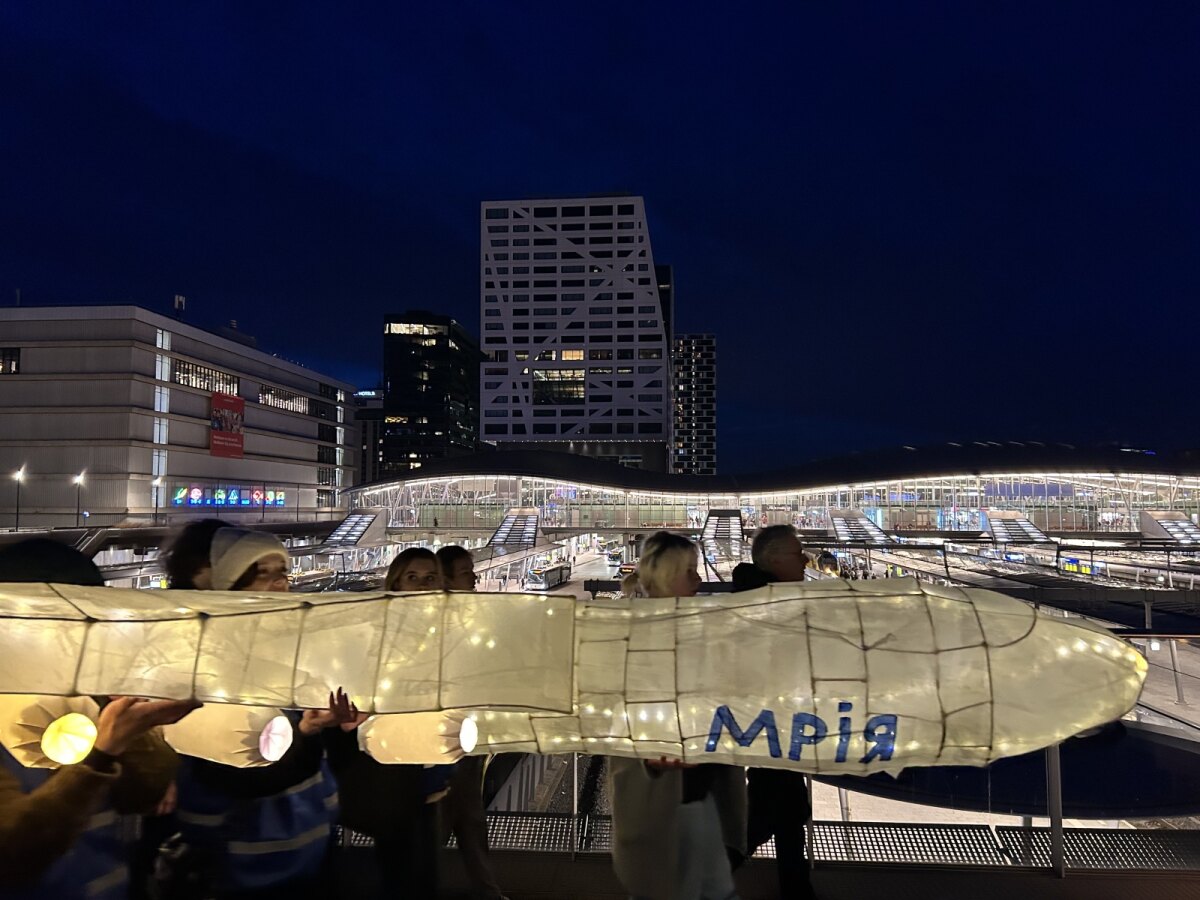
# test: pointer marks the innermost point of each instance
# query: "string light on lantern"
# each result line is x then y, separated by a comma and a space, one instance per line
777, 677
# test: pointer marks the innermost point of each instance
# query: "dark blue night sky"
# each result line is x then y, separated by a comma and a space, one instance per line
906, 223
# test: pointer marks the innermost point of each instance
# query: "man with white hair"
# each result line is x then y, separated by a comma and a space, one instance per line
778, 800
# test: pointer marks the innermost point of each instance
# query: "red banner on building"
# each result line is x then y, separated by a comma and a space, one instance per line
228, 421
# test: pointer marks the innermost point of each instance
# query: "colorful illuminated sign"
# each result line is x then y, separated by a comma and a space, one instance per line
195, 495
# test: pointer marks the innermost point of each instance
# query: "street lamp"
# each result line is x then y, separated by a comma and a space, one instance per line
78, 479
18, 477
157, 483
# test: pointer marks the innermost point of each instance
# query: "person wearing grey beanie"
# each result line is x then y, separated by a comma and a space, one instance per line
245, 560
266, 831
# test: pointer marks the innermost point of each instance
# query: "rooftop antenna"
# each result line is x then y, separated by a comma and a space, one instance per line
180, 306
18, 296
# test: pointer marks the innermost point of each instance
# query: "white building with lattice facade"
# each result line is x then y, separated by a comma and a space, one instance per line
575, 330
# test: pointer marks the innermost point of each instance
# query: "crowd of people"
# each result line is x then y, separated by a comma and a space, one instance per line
209, 830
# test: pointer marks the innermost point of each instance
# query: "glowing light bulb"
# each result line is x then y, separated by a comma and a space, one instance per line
69, 739
275, 739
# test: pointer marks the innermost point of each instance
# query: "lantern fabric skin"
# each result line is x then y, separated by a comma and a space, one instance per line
830, 677
648, 816
57, 825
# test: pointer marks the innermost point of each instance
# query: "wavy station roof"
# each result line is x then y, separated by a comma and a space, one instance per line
944, 461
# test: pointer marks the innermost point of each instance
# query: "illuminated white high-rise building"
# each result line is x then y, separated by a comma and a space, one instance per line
695, 364
576, 332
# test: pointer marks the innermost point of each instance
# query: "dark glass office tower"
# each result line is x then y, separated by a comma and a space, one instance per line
431, 390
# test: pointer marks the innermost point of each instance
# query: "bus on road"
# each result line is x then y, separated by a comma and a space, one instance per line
543, 578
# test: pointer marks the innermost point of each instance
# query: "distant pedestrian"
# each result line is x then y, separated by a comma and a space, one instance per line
779, 804
462, 809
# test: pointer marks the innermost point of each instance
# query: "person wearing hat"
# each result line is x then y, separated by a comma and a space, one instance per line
265, 831
245, 560
60, 834
212, 555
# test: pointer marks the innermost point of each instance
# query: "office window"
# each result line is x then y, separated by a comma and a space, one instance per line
495, 214
161, 429
191, 375
281, 399
558, 386
162, 339
572, 354
162, 399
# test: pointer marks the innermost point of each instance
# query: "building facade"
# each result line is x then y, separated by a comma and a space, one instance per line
116, 413
431, 391
368, 414
576, 335
694, 360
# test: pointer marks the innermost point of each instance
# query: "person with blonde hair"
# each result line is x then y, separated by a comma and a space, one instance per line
396, 805
672, 822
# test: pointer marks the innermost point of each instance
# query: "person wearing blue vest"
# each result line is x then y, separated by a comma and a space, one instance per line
60, 834
260, 832
263, 832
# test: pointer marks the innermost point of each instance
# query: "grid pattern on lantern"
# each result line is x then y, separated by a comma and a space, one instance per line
392, 653
827, 677
882, 674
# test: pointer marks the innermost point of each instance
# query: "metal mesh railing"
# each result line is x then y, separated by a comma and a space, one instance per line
898, 842
1105, 848
882, 843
